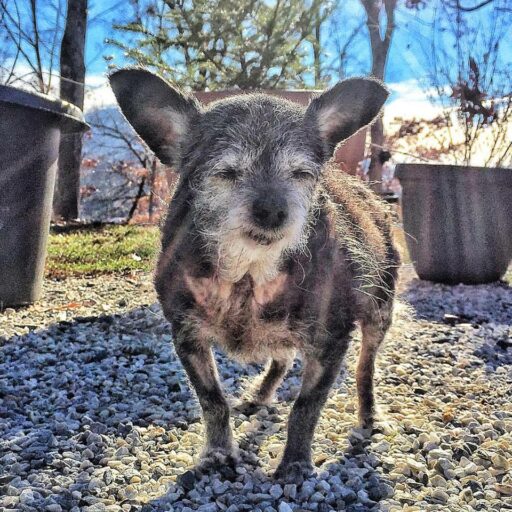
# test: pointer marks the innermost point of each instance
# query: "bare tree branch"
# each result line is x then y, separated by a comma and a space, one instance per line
457, 5
33, 30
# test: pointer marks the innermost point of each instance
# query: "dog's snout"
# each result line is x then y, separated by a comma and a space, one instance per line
269, 211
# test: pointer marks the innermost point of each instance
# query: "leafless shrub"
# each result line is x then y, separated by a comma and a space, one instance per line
31, 38
471, 78
139, 168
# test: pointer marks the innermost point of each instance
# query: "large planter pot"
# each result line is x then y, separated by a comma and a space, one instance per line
30, 128
458, 221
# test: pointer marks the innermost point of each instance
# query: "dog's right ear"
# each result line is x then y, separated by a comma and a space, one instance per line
160, 114
344, 109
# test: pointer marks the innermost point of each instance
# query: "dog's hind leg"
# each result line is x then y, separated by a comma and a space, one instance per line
272, 378
263, 389
374, 330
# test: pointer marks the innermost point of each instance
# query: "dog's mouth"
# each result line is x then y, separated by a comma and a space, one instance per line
262, 239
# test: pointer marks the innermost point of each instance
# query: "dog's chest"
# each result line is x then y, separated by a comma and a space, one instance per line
249, 320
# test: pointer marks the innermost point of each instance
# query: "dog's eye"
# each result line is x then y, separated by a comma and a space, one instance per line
302, 174
229, 174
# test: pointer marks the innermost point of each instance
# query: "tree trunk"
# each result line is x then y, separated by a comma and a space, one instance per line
317, 50
380, 48
377, 140
72, 70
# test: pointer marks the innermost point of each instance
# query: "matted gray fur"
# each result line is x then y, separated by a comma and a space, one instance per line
267, 251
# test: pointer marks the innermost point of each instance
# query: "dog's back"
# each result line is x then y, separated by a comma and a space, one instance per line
364, 227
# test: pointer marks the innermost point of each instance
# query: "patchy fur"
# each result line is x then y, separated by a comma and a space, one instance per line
231, 315
266, 250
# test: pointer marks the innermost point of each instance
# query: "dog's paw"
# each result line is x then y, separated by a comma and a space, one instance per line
187, 480
293, 472
366, 423
374, 425
382, 426
219, 460
247, 407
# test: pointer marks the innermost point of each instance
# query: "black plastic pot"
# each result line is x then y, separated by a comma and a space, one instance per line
458, 221
30, 128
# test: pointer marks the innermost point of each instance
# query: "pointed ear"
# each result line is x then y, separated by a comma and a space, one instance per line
158, 112
344, 109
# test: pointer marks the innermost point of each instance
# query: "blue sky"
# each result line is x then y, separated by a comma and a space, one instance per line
407, 62
406, 55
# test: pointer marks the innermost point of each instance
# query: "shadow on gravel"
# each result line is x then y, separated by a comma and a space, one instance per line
466, 304
67, 393
74, 396
486, 308
352, 484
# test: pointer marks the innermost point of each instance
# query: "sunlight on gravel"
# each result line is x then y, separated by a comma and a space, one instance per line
96, 413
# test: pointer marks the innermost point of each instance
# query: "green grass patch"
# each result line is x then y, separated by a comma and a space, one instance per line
104, 249
93, 250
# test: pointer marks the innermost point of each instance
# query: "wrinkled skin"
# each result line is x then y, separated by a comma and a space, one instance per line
266, 250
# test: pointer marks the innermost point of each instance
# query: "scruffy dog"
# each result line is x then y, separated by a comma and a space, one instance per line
266, 250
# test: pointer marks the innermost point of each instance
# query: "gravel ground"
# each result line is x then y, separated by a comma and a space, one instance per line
96, 414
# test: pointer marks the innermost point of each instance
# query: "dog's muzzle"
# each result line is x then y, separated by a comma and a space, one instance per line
262, 239
269, 210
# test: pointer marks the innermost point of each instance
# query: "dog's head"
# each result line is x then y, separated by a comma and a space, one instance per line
254, 161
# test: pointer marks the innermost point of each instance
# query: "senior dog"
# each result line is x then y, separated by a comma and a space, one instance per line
267, 251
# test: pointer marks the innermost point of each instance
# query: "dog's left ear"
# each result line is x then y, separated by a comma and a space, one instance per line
344, 109
161, 114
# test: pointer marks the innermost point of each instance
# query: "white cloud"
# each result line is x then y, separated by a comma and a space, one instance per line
98, 93
411, 101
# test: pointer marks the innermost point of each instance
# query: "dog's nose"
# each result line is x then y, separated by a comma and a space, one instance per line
269, 211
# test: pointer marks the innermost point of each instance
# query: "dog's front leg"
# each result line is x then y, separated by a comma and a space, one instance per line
199, 364
318, 376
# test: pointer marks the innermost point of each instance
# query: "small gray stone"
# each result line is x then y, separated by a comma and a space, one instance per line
53, 507
317, 497
438, 481
308, 488
323, 486
194, 495
27, 497
439, 496
290, 491
208, 507
362, 496
96, 507
121, 452
276, 491
347, 494
88, 453
10, 501
13, 491
5, 479
259, 497
219, 487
